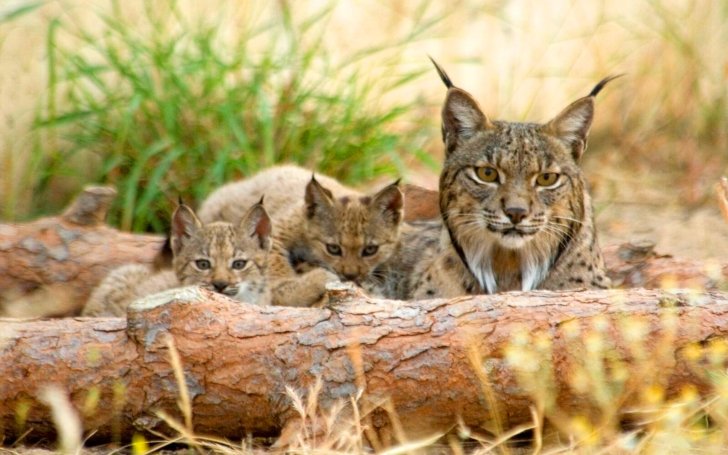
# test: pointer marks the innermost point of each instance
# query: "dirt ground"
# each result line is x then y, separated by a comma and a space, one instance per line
633, 206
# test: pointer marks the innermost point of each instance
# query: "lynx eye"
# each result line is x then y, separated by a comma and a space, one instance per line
370, 250
333, 249
487, 174
547, 179
239, 264
203, 264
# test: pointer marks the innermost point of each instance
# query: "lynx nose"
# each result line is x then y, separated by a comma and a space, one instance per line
219, 285
515, 214
351, 276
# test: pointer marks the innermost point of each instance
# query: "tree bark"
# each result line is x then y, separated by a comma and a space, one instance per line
434, 361
49, 267
632, 265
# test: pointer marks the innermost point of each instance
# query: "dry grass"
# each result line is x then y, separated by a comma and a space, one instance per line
658, 143
523, 60
623, 406
722, 189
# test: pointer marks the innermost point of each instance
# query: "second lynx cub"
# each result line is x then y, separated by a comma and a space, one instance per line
324, 230
231, 259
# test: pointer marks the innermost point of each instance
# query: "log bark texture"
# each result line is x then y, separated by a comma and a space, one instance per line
432, 360
49, 267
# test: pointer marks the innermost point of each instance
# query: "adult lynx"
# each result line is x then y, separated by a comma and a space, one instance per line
514, 203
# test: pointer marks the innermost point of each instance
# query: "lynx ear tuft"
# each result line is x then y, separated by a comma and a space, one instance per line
184, 225
461, 115
600, 85
441, 72
573, 123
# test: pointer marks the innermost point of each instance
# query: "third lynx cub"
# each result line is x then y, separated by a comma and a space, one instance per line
231, 259
324, 231
514, 203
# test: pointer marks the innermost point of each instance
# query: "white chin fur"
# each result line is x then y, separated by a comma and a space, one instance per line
533, 268
246, 294
513, 242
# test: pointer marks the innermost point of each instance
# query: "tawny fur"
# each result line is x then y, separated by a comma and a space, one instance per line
507, 225
311, 213
231, 259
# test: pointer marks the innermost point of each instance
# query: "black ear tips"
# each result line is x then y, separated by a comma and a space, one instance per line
441, 72
598, 88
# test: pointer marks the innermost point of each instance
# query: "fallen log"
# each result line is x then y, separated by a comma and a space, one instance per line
49, 267
637, 265
436, 362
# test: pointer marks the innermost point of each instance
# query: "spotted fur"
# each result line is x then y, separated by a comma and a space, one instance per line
231, 259
324, 231
519, 231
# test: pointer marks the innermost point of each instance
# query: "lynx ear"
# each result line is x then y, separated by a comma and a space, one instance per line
318, 199
461, 115
184, 225
573, 123
389, 202
461, 118
257, 223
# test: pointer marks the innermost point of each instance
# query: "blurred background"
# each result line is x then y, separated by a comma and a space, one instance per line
175, 97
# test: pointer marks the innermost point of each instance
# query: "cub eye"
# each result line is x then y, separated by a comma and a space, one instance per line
487, 174
239, 264
333, 249
547, 179
370, 250
203, 264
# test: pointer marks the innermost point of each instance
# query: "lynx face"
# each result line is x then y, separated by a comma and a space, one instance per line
222, 257
512, 195
352, 236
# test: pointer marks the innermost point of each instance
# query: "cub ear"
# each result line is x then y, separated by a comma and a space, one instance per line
257, 223
318, 199
389, 202
461, 115
184, 225
573, 123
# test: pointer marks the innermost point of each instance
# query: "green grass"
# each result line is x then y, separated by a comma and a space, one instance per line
163, 105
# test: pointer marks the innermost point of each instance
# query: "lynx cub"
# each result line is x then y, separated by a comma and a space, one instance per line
222, 257
514, 203
324, 230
